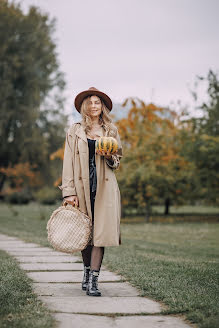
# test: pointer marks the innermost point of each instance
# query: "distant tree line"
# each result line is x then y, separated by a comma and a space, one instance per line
31, 100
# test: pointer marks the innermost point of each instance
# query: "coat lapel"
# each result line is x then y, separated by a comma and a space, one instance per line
80, 132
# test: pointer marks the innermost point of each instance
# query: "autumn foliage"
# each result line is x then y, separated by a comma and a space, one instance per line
153, 169
20, 176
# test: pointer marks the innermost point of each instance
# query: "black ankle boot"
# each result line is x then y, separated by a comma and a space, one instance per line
85, 277
92, 287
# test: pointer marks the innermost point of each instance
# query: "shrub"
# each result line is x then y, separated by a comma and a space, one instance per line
19, 197
47, 195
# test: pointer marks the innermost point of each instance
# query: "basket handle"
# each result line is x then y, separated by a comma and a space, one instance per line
64, 203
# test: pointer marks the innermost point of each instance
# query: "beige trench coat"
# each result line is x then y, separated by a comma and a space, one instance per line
75, 181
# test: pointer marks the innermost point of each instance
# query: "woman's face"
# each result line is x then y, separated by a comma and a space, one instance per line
95, 106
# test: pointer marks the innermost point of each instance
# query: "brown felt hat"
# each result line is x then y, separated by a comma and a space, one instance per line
92, 92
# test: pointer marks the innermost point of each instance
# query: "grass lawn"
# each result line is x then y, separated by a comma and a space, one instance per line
175, 263
187, 209
188, 212
19, 306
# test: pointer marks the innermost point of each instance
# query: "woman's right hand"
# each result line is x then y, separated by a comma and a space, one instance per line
72, 200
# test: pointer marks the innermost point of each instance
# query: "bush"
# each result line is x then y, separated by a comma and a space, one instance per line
19, 197
47, 195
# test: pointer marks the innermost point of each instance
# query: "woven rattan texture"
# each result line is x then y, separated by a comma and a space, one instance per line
69, 229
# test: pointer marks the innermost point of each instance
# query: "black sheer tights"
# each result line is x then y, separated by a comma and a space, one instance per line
93, 256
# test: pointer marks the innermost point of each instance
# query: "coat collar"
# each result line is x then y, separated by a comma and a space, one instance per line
80, 132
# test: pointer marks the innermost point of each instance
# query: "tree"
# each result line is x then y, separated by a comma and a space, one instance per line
31, 119
202, 147
208, 123
153, 168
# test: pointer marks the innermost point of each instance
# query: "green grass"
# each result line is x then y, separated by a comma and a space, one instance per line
184, 210
188, 209
19, 306
174, 263
27, 222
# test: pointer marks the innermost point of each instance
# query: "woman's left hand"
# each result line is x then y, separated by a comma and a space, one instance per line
107, 154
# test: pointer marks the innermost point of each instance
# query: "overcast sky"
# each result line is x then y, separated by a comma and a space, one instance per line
151, 49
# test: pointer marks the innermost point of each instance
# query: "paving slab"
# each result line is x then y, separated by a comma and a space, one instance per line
47, 259
54, 266
110, 289
28, 249
67, 276
150, 321
5, 237
67, 320
16, 246
12, 243
35, 250
101, 304
37, 253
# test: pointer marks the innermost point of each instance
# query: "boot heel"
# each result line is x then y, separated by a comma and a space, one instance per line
85, 278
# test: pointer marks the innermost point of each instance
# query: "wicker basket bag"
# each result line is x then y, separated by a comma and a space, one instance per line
69, 229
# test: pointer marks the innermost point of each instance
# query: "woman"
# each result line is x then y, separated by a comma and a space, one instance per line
89, 181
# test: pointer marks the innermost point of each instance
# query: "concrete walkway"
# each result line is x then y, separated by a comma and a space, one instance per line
57, 281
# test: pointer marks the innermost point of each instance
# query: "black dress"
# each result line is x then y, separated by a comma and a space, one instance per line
92, 173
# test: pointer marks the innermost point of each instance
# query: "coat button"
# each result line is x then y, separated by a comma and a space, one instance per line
77, 152
107, 179
79, 178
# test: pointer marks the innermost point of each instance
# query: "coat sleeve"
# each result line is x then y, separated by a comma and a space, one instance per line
68, 186
114, 163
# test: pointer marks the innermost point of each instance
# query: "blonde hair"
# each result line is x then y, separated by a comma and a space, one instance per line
104, 119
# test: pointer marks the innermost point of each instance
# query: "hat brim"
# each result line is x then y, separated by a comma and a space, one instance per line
80, 97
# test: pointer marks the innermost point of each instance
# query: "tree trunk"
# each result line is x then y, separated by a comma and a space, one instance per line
167, 205
2, 181
122, 211
148, 211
